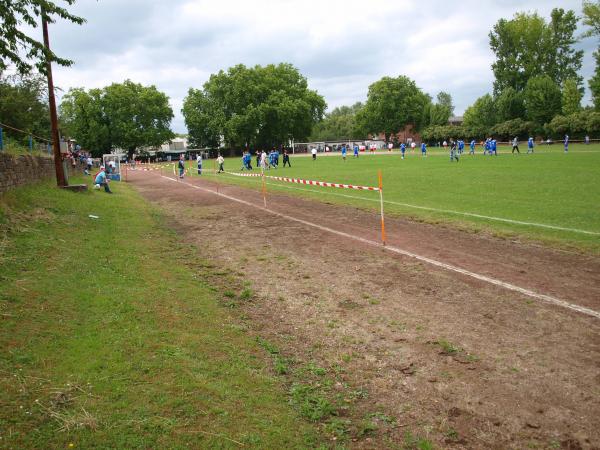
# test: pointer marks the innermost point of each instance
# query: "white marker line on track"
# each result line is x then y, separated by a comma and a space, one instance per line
450, 211
511, 287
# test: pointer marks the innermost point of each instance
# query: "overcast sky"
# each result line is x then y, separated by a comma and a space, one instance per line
341, 46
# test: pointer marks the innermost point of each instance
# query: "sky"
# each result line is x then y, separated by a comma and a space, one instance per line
340, 46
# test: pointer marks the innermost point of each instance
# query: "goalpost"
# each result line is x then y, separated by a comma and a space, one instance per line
112, 165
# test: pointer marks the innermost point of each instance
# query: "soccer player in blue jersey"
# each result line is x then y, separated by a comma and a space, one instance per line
494, 147
344, 152
566, 143
530, 145
472, 147
355, 151
423, 150
403, 149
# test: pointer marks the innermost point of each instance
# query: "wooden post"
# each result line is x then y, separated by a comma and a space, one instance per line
381, 202
61, 180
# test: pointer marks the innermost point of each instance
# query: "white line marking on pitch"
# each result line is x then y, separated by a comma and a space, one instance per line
511, 287
449, 211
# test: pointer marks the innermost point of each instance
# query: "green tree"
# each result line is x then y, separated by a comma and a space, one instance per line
571, 97
123, 115
17, 47
259, 106
527, 46
204, 120
440, 112
591, 18
24, 105
511, 128
339, 124
510, 105
594, 82
481, 115
392, 104
542, 99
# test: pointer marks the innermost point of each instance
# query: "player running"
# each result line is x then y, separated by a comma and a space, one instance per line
472, 147
423, 150
356, 150
344, 152
403, 149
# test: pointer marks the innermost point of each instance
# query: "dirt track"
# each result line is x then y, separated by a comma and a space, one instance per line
523, 373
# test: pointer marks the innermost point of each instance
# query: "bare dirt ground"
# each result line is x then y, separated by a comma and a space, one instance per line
443, 356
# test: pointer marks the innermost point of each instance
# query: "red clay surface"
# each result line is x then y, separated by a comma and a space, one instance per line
524, 374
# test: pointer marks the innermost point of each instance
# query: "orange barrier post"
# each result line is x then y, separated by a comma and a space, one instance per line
381, 201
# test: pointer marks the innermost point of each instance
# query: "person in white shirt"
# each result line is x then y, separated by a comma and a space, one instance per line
390, 147
314, 153
199, 161
220, 161
263, 160
89, 163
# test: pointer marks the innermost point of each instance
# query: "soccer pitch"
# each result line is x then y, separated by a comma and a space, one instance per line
548, 196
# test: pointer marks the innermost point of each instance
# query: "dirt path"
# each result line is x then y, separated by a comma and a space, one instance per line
461, 362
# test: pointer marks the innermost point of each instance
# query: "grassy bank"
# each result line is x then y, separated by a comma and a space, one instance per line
108, 341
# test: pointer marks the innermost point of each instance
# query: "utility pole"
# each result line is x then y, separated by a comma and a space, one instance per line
60, 174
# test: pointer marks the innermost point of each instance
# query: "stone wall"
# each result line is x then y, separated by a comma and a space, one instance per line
24, 169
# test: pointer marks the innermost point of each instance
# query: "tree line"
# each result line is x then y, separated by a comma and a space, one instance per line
537, 89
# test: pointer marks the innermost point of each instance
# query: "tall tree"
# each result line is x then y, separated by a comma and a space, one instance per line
392, 104
571, 97
481, 115
542, 99
258, 106
338, 124
510, 105
123, 115
440, 112
24, 105
594, 82
591, 18
527, 46
14, 42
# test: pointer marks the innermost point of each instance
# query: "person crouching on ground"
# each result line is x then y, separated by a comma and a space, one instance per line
102, 180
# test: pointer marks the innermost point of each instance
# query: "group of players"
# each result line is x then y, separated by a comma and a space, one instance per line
270, 160
265, 160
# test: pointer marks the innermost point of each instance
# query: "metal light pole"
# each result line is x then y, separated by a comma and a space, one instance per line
60, 174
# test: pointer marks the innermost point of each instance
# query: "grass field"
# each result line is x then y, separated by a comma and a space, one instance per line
109, 341
557, 195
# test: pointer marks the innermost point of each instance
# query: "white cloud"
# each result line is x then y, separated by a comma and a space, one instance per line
341, 46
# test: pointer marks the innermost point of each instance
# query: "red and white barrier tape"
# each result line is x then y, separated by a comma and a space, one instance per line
308, 182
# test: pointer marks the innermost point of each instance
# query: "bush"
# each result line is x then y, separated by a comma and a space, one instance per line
511, 128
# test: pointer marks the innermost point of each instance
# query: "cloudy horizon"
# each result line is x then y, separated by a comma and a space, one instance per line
341, 47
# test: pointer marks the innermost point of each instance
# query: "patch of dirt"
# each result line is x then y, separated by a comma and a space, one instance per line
452, 359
